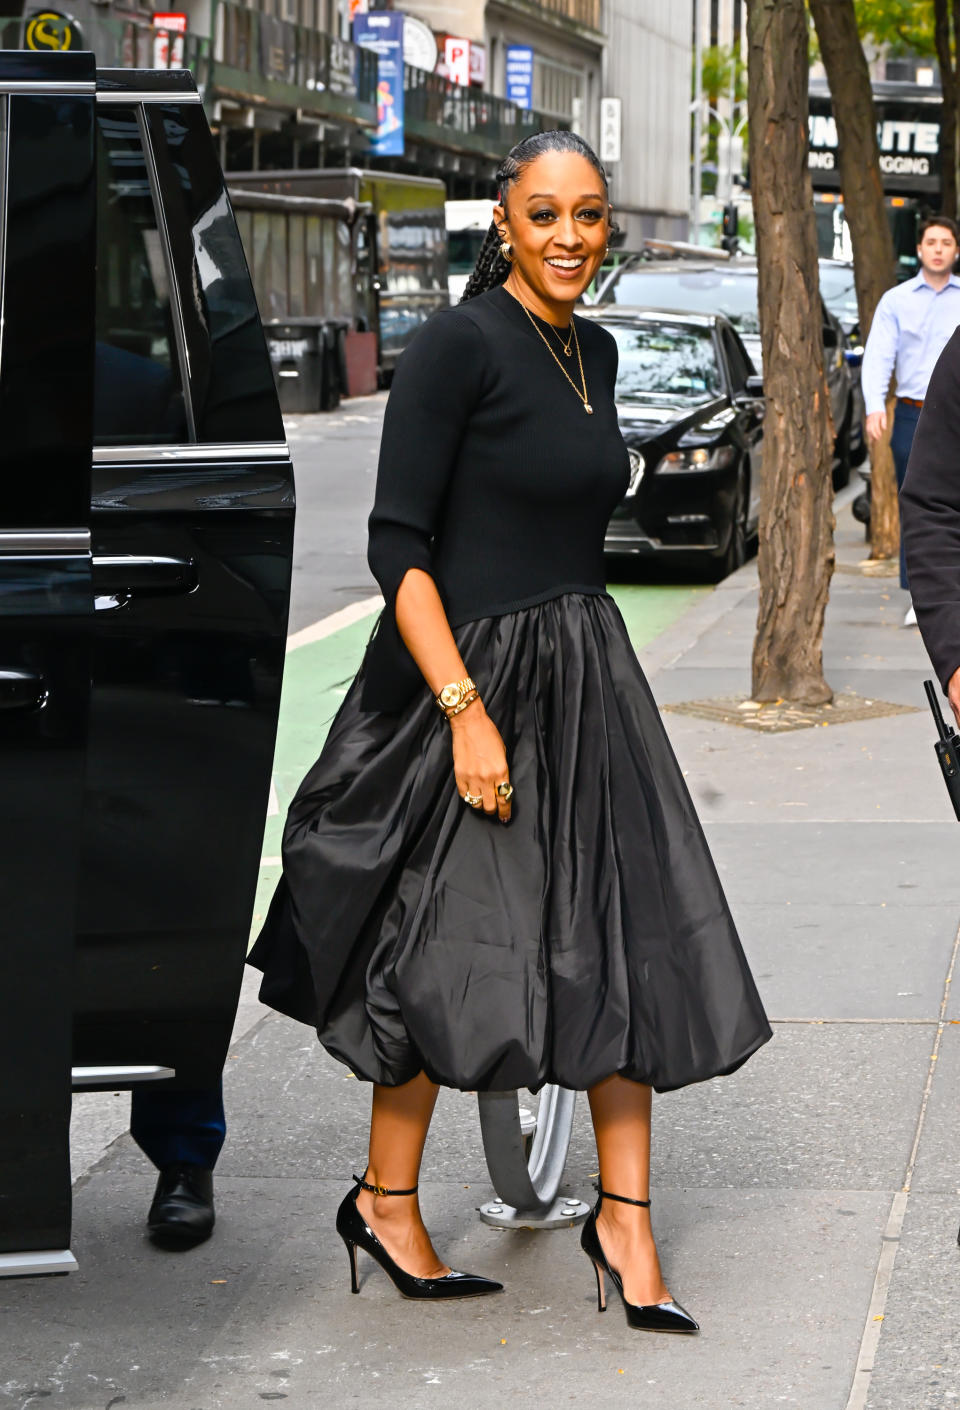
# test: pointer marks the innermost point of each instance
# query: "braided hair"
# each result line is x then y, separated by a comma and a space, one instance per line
491, 268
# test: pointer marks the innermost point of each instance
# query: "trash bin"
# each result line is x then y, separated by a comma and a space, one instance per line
297, 356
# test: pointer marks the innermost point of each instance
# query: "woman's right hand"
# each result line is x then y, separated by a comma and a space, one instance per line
480, 759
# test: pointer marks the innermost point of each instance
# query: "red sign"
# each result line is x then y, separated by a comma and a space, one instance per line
170, 20
456, 55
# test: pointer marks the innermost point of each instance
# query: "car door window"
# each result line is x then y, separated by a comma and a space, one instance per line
232, 390
138, 388
738, 364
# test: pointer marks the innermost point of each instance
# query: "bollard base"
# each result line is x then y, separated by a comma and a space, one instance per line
33, 1265
563, 1213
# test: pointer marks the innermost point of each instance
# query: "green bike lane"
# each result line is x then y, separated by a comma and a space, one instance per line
317, 675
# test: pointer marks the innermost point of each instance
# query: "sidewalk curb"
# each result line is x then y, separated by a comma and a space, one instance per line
682, 636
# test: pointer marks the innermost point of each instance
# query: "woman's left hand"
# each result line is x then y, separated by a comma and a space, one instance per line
480, 759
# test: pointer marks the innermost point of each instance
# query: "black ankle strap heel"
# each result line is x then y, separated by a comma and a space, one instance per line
659, 1316
356, 1233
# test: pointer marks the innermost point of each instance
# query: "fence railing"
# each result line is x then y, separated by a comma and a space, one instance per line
290, 53
469, 112
586, 12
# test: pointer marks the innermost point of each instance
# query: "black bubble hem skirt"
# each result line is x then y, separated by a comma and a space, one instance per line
589, 937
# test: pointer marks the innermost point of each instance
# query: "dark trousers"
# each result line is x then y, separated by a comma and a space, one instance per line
905, 420
172, 1127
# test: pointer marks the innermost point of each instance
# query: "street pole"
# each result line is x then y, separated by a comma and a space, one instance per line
733, 106
697, 122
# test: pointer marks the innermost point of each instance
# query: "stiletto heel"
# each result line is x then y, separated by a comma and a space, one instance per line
352, 1251
356, 1233
601, 1289
655, 1317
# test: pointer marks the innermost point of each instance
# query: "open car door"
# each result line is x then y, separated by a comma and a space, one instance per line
191, 515
47, 251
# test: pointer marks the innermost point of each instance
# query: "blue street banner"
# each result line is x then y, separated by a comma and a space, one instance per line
520, 75
382, 31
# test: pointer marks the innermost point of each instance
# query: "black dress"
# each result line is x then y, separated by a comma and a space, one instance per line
591, 936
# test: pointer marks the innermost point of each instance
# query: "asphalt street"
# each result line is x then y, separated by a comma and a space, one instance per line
335, 462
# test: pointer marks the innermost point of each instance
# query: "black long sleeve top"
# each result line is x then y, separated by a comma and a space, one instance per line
930, 515
492, 476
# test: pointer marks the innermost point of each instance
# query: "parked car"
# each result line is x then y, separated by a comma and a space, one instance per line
838, 291
691, 412
146, 536
730, 288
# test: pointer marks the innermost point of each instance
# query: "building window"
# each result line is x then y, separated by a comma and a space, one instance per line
557, 89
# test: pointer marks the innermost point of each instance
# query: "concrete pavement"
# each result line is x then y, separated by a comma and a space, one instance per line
806, 1208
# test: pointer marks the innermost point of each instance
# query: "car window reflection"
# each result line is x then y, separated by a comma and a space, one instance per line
707, 291
138, 391
665, 360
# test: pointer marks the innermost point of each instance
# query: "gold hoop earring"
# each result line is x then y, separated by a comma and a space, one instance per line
506, 252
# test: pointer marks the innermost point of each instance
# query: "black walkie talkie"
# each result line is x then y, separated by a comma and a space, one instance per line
947, 747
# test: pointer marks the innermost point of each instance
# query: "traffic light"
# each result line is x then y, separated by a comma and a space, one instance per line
731, 224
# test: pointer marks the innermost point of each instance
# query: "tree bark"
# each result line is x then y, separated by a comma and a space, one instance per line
796, 521
948, 118
851, 96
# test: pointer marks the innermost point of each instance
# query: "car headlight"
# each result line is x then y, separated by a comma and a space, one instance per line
684, 462
637, 467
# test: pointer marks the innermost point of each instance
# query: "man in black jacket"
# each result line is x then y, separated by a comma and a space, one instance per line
930, 521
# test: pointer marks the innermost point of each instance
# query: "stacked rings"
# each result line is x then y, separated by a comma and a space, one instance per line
473, 799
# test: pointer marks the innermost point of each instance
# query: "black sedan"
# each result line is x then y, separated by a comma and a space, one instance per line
691, 412
729, 287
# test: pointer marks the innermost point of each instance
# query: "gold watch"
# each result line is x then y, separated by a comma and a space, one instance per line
452, 696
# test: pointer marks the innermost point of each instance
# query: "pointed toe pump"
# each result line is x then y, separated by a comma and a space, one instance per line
657, 1316
356, 1233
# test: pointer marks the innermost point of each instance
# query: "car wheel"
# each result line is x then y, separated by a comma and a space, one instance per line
735, 554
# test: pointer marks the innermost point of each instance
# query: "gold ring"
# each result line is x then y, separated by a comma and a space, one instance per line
505, 791
473, 799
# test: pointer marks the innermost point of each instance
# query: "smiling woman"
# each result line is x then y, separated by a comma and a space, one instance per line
588, 943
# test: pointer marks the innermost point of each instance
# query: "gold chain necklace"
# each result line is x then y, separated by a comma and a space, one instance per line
567, 346
576, 343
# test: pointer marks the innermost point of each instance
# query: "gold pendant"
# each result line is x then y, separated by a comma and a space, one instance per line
569, 352
588, 408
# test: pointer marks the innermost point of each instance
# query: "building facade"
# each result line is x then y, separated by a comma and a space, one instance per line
285, 86
648, 64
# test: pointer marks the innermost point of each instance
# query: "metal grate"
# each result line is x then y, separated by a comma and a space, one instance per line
782, 715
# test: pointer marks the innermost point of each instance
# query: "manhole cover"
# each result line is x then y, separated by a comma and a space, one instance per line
871, 568
780, 716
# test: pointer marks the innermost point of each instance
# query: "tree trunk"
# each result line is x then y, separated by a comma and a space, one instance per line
851, 96
948, 117
796, 521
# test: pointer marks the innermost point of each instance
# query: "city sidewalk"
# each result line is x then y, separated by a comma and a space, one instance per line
807, 1207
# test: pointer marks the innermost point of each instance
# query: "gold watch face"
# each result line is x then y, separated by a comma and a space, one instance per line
450, 695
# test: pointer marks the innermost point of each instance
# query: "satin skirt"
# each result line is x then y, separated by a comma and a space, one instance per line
589, 937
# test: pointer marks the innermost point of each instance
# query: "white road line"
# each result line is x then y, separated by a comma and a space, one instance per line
271, 861
353, 612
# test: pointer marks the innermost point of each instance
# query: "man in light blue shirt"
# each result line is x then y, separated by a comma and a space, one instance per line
912, 325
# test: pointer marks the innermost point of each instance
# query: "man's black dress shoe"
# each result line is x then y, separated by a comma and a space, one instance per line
181, 1214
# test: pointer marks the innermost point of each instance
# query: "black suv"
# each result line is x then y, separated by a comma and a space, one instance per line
146, 532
